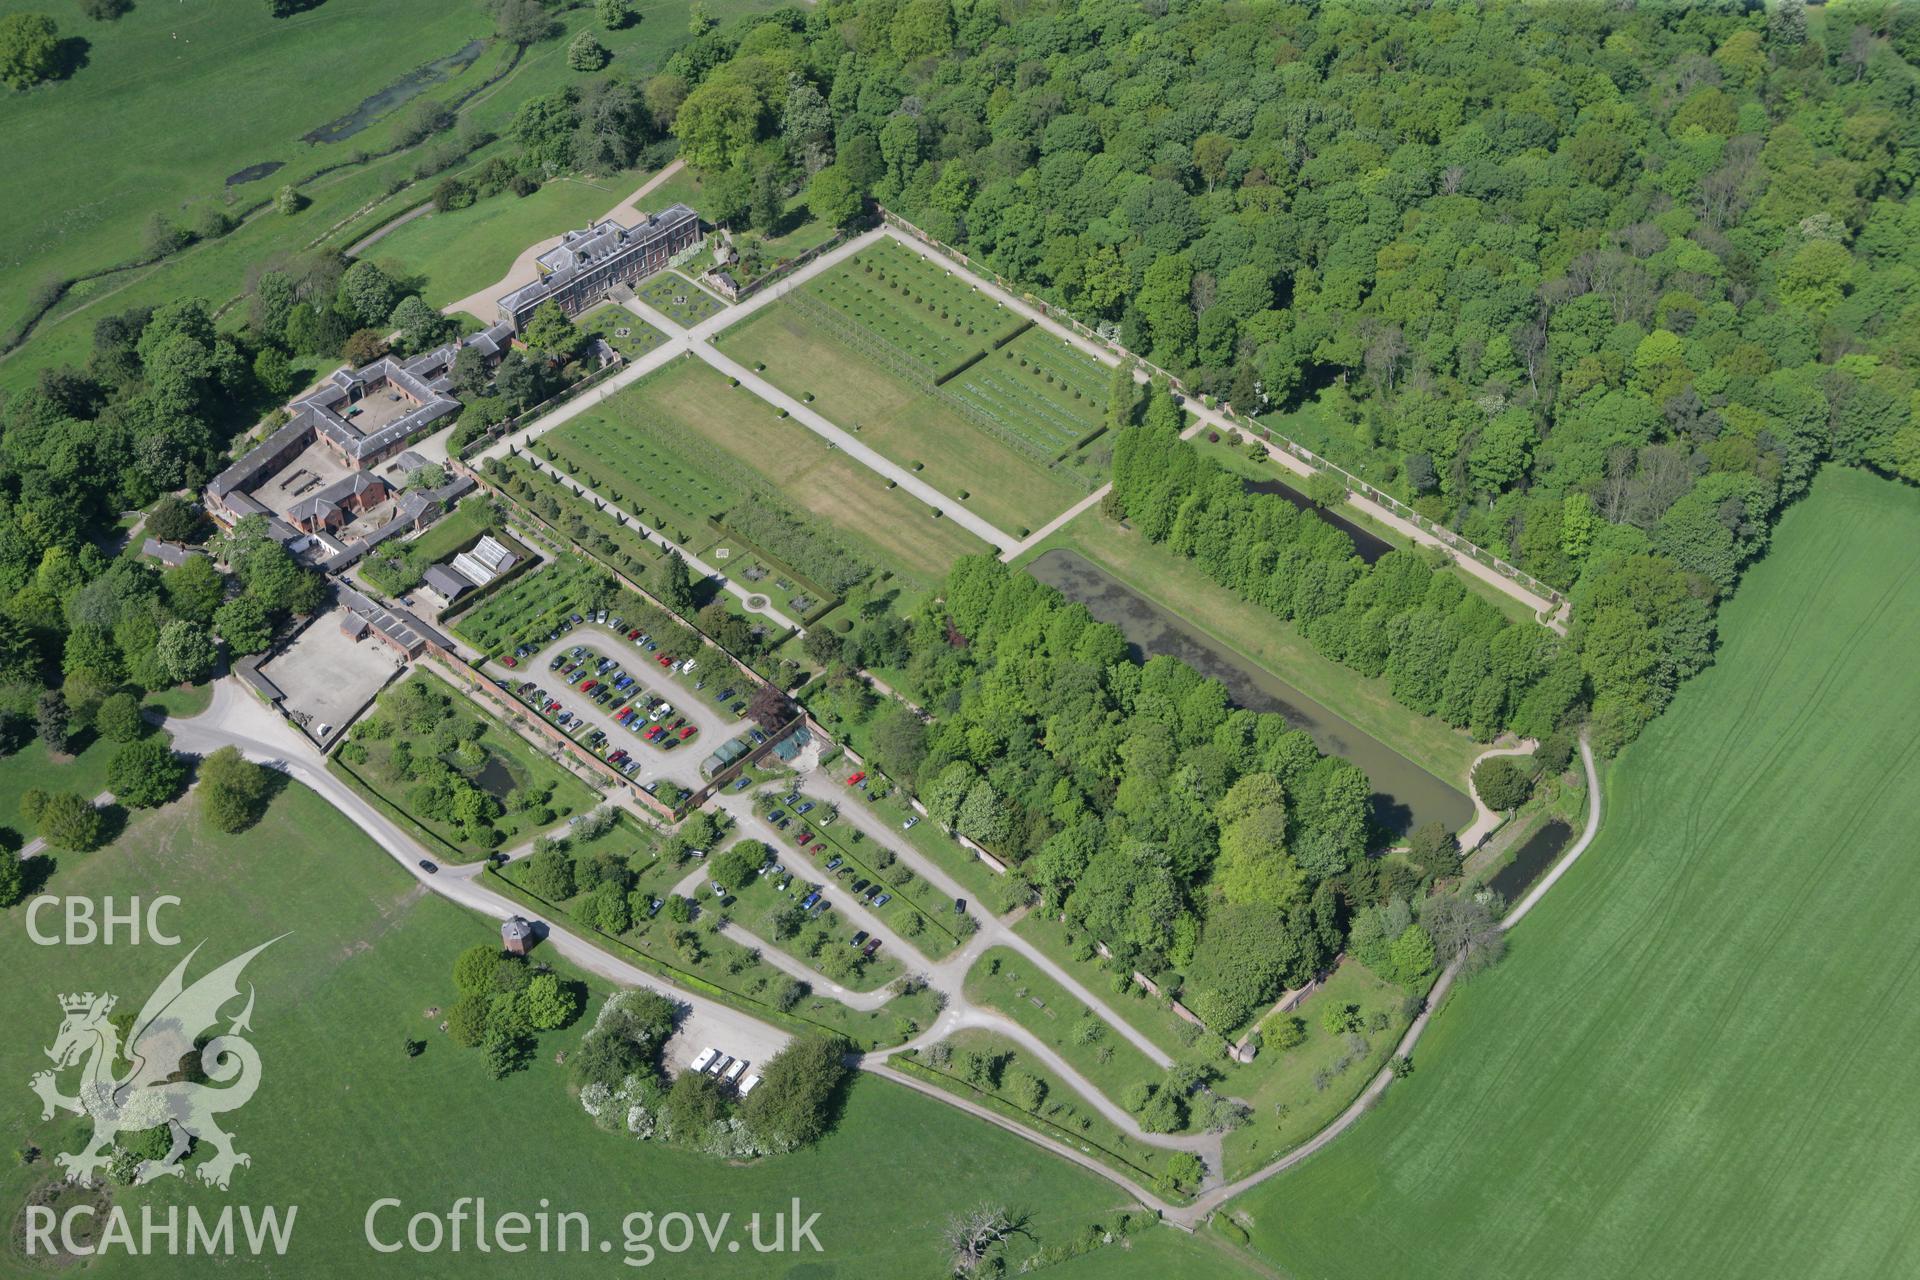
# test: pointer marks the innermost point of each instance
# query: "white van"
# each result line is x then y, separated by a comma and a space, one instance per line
734, 1072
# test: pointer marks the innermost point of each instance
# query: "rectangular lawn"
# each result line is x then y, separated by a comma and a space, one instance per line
688, 436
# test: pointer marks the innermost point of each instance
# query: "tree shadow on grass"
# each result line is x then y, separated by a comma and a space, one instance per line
71, 57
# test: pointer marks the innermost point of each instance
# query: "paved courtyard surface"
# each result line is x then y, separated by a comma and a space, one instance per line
330, 676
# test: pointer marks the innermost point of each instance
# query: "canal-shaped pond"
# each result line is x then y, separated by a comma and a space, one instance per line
1367, 545
1405, 795
406, 88
1531, 860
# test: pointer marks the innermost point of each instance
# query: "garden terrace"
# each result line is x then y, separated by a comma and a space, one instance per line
1003, 471
681, 439
678, 299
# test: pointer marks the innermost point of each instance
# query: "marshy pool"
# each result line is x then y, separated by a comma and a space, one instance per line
403, 90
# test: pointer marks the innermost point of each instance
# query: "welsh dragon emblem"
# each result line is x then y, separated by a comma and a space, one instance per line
154, 1080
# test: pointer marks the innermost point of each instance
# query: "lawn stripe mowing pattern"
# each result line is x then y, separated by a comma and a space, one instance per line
951, 343
734, 443
344, 1117
1681, 1070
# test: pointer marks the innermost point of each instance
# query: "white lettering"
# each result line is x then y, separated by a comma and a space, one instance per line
40, 1223
367, 1225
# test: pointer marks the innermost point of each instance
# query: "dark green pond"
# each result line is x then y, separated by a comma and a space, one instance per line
1405, 795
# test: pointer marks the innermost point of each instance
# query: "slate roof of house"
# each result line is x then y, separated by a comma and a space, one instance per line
591, 246
448, 582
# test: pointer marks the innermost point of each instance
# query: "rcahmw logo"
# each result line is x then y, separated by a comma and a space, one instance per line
164, 1048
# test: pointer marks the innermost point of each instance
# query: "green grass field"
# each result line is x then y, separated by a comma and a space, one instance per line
461, 250
343, 1117
1695, 1060
176, 97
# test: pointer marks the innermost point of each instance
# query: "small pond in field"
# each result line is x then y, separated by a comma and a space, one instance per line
1368, 546
403, 90
255, 172
1531, 860
495, 777
1404, 795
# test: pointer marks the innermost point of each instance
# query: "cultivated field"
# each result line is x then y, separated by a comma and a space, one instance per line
998, 427
682, 439
1695, 1061
344, 1117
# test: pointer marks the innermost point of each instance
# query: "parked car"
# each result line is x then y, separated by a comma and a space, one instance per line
833, 863
806, 903
742, 782
870, 948
910, 824
807, 807
805, 836
883, 900
688, 732
858, 938
854, 778
725, 695
510, 661
860, 886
